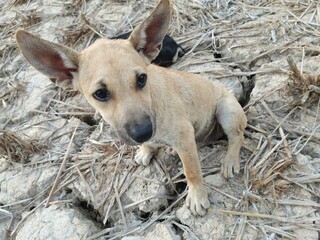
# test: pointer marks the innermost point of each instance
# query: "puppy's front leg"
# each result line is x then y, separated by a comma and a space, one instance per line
197, 199
144, 154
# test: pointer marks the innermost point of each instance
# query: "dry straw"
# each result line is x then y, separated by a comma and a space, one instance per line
244, 36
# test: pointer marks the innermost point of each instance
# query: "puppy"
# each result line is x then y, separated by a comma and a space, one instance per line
148, 105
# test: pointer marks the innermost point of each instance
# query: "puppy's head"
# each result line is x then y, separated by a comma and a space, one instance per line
112, 74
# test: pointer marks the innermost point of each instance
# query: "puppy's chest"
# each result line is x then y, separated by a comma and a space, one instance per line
158, 143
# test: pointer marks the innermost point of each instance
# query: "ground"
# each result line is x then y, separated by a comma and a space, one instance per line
64, 175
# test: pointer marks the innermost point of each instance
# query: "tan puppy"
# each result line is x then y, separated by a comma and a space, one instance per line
145, 103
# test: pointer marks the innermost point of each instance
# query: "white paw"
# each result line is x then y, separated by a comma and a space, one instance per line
230, 167
197, 201
143, 156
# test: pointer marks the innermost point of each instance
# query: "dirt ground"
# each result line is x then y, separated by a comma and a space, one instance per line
65, 175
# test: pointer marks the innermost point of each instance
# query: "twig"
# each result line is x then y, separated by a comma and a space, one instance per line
223, 193
165, 211
116, 193
285, 142
265, 157
62, 167
85, 183
266, 216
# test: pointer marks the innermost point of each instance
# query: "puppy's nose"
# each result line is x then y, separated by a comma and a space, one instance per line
141, 132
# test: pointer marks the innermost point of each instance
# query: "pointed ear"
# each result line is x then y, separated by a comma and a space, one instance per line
54, 60
147, 37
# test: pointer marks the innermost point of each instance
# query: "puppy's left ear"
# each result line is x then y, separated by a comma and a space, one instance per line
147, 37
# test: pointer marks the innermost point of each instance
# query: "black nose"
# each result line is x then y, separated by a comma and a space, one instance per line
140, 132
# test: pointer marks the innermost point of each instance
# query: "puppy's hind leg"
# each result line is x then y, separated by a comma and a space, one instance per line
232, 119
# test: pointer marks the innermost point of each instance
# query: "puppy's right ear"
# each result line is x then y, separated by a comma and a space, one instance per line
54, 60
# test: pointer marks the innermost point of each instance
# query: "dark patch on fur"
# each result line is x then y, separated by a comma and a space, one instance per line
209, 134
169, 49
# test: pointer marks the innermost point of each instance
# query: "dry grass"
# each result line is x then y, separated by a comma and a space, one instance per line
274, 138
306, 86
17, 149
20, 2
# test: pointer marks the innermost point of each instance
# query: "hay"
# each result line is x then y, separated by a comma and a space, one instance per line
20, 2
17, 149
240, 38
306, 86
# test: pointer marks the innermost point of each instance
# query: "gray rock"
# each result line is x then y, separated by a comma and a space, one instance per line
141, 189
25, 183
35, 97
211, 71
6, 219
211, 226
131, 238
57, 222
162, 231
306, 234
215, 180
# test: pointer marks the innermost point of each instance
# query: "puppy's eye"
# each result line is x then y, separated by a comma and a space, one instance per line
141, 80
102, 95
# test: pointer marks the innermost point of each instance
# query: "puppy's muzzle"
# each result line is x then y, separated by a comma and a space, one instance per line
140, 132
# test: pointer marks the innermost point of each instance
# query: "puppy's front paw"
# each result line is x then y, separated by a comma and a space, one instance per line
230, 167
143, 155
197, 201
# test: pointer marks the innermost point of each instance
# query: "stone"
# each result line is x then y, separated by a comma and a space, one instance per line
241, 45
306, 234
36, 95
162, 231
210, 226
209, 71
215, 180
141, 189
25, 183
131, 238
6, 219
57, 222
270, 87
273, 88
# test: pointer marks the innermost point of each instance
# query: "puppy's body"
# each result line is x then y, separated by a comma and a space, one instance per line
148, 104
181, 96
